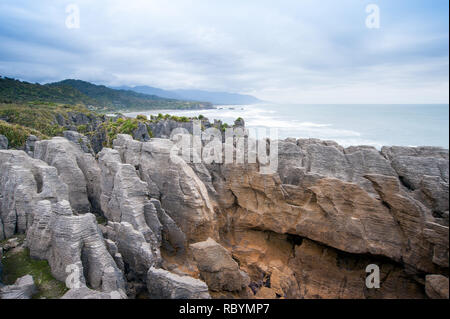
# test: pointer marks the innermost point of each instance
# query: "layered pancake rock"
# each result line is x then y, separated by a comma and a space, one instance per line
175, 229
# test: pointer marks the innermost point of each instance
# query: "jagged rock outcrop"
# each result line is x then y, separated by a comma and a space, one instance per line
1, 265
24, 182
23, 288
74, 119
171, 180
77, 169
164, 128
125, 197
79, 139
141, 133
173, 240
137, 254
3, 142
323, 272
335, 196
162, 284
86, 293
353, 200
308, 230
30, 144
436, 286
73, 246
424, 172
217, 268
34, 201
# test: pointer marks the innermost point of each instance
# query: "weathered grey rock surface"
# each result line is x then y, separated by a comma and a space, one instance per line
171, 180
79, 139
23, 288
137, 253
30, 143
162, 284
24, 182
3, 142
125, 198
73, 246
86, 293
307, 230
77, 169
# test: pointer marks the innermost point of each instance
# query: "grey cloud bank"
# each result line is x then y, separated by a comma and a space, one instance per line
289, 51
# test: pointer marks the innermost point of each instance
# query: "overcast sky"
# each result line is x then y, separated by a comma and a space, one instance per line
299, 51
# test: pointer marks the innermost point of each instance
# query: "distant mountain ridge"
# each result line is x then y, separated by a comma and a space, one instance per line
195, 95
97, 97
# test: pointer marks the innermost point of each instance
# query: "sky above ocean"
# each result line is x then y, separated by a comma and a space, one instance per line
374, 125
280, 51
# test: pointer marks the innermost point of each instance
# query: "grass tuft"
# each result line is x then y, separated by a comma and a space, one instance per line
18, 263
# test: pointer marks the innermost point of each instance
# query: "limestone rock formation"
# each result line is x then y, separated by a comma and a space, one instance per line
436, 287
323, 272
73, 246
1, 265
76, 168
138, 255
30, 144
173, 240
164, 128
162, 284
34, 201
171, 180
24, 182
350, 199
125, 199
307, 230
86, 293
124, 195
217, 268
79, 139
23, 288
3, 142
141, 133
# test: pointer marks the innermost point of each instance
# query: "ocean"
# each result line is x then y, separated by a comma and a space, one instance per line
375, 125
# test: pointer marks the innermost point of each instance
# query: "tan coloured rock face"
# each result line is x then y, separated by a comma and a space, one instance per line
217, 268
307, 231
323, 272
436, 287
265, 256
357, 210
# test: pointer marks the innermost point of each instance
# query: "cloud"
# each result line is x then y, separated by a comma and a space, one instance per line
286, 51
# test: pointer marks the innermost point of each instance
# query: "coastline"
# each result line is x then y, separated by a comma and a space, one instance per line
352, 125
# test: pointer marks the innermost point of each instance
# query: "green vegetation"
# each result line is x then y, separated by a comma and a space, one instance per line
224, 126
142, 117
160, 117
16, 91
82, 129
18, 263
18, 121
120, 126
17, 134
38, 117
95, 97
101, 220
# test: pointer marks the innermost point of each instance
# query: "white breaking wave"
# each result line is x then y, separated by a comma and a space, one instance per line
257, 117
